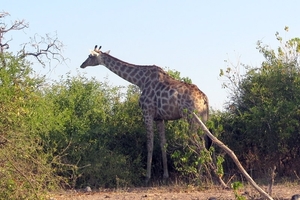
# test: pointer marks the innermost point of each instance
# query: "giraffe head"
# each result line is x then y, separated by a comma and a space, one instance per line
93, 59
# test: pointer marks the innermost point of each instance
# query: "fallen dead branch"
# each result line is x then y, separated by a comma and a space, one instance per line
234, 158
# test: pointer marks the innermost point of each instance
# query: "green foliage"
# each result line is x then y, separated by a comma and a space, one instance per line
25, 170
236, 186
97, 133
176, 74
220, 169
188, 154
262, 123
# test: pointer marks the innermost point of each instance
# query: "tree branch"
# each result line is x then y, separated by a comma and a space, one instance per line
44, 49
40, 47
234, 158
17, 25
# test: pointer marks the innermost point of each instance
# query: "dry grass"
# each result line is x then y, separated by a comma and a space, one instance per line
280, 192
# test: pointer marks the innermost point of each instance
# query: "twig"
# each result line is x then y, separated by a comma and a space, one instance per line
297, 175
22, 174
230, 178
224, 185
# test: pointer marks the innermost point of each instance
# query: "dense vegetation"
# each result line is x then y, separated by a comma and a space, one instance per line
78, 132
25, 166
262, 120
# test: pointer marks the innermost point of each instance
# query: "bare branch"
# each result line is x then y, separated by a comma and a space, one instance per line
40, 47
3, 14
16, 25
234, 158
43, 48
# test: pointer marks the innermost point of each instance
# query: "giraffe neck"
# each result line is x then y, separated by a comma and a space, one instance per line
136, 74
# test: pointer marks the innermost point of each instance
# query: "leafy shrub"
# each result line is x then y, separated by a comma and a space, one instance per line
262, 122
25, 170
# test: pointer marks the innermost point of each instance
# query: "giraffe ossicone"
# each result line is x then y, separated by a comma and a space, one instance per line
95, 51
162, 98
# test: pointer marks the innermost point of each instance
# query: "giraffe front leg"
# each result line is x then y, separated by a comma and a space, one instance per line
149, 127
163, 145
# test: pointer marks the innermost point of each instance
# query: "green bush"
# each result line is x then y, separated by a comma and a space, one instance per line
99, 133
25, 170
262, 121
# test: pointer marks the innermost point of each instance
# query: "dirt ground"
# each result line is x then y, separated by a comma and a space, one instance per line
280, 192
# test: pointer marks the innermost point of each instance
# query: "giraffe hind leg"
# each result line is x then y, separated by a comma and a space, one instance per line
150, 137
163, 144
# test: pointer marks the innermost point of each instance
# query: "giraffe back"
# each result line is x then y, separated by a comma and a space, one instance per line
170, 99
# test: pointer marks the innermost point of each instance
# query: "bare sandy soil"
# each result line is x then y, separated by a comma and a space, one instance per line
280, 192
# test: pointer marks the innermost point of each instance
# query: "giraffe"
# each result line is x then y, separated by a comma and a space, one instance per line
162, 98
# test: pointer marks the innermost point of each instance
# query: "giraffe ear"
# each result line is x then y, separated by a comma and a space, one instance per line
107, 52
